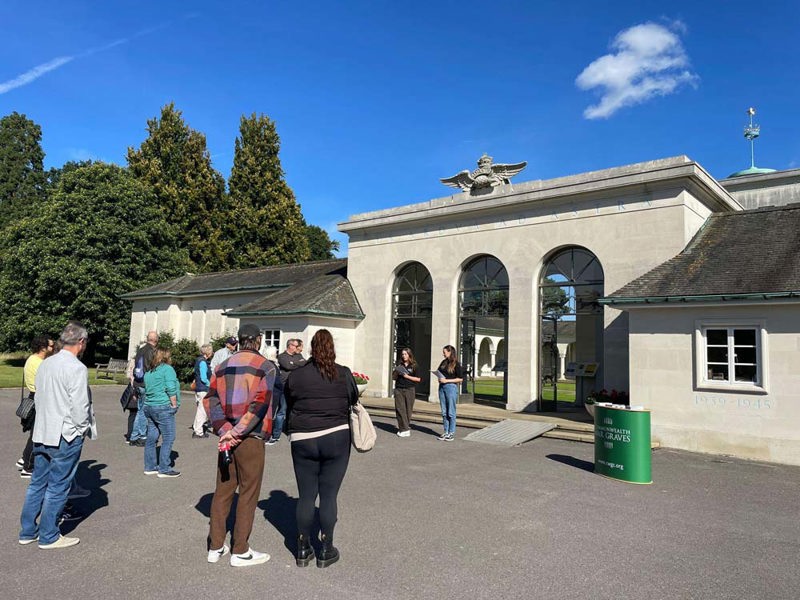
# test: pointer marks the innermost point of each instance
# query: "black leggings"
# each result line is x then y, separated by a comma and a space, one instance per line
319, 467
131, 418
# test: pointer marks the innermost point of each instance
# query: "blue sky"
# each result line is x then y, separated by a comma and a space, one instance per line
375, 101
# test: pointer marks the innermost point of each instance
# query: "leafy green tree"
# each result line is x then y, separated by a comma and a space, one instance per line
22, 176
265, 215
175, 161
321, 245
102, 234
555, 302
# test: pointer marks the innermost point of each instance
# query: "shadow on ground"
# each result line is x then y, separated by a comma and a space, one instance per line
572, 462
88, 476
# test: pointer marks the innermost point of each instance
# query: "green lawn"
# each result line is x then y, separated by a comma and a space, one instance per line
489, 387
566, 391
11, 372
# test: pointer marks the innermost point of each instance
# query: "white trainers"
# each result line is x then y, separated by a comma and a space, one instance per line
251, 557
215, 555
406, 433
61, 542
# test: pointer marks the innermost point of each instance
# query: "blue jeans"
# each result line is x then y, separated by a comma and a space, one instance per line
53, 471
160, 420
448, 394
140, 423
280, 414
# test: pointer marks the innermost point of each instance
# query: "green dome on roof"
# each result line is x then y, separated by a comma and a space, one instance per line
751, 171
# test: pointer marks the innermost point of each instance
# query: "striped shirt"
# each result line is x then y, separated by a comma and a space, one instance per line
240, 395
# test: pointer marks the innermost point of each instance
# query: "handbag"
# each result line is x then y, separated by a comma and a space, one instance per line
361, 428
26, 407
26, 403
128, 398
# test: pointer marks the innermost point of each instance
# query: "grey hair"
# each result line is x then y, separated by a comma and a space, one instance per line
206, 348
73, 333
271, 353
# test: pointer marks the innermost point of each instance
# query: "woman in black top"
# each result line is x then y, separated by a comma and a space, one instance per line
318, 398
450, 376
406, 377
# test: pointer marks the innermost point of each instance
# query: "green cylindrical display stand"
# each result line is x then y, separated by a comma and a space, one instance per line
622, 444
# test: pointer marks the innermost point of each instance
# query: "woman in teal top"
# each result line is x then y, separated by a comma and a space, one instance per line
162, 394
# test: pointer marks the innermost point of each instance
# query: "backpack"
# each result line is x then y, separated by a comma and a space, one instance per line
139, 368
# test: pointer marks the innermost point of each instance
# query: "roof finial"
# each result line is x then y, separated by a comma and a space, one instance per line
751, 132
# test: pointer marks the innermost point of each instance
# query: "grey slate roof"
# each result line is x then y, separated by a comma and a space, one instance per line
330, 295
746, 254
267, 278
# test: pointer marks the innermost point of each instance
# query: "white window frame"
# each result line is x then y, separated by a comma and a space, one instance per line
701, 356
267, 340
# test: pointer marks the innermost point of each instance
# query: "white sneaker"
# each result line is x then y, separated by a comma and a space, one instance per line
20, 464
61, 542
215, 555
251, 557
406, 433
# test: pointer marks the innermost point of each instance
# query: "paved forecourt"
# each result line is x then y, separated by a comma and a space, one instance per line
418, 518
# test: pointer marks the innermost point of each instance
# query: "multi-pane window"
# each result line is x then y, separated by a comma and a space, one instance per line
272, 337
732, 355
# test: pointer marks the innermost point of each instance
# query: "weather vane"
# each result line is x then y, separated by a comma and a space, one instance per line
751, 132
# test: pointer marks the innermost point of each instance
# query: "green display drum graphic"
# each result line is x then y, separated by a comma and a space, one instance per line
622, 444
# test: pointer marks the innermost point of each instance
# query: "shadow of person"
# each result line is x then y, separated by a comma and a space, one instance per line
89, 477
280, 510
425, 430
385, 426
572, 462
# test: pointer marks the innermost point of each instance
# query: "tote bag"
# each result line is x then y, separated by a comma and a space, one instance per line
362, 431
361, 428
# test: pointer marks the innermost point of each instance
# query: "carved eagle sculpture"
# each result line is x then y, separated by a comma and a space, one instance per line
486, 175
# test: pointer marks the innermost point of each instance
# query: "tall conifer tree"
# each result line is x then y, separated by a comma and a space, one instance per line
175, 161
22, 176
264, 207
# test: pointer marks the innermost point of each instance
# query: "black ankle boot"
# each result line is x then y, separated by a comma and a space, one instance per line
305, 553
328, 554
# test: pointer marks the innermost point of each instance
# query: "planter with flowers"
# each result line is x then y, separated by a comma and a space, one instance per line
361, 382
613, 397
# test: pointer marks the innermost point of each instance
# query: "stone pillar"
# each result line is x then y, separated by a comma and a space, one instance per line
562, 356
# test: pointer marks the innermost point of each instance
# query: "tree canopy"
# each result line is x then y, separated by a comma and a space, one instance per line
175, 161
22, 176
76, 237
102, 234
265, 214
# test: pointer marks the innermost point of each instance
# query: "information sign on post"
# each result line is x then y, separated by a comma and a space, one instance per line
622, 443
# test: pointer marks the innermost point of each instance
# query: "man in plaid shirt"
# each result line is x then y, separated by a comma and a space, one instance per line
238, 404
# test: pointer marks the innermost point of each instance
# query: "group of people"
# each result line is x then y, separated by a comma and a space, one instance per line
406, 376
249, 399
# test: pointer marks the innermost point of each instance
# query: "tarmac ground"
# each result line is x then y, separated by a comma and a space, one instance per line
418, 518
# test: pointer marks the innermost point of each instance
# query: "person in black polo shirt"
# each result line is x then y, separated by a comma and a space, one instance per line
406, 377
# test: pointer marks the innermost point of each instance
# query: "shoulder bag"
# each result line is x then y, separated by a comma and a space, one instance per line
362, 431
26, 403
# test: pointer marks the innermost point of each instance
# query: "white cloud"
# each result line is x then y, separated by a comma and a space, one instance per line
647, 60
34, 74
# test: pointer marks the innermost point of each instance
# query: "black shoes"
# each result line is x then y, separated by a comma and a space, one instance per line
328, 554
305, 553
137, 443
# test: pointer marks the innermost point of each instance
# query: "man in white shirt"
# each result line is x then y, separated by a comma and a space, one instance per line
64, 416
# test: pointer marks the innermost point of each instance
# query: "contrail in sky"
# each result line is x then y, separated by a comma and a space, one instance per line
39, 70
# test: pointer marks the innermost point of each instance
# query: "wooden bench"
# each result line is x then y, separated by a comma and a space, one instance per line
111, 368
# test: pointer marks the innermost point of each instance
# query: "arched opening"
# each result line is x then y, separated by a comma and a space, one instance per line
412, 301
571, 328
483, 299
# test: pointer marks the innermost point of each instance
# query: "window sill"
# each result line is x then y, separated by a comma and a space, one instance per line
738, 388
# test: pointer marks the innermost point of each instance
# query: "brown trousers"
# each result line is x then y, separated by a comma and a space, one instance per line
245, 472
404, 406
